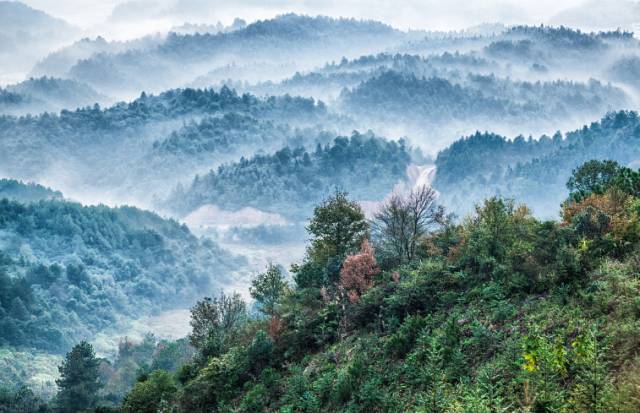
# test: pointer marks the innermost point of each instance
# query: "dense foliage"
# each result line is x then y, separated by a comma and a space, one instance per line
227, 136
530, 170
79, 380
395, 304
295, 37
147, 145
396, 95
68, 271
498, 312
291, 180
19, 191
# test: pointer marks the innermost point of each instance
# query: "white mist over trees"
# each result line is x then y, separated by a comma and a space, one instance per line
176, 170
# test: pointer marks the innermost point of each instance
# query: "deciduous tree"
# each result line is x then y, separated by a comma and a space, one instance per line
267, 288
358, 272
214, 322
402, 221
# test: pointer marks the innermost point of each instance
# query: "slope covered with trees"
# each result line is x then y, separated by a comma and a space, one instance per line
93, 144
46, 95
69, 271
530, 170
297, 41
498, 312
30, 192
433, 107
229, 137
292, 179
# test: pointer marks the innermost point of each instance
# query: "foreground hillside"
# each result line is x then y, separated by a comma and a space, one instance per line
500, 312
414, 311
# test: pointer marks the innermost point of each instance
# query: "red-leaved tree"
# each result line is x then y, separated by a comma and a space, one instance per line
358, 272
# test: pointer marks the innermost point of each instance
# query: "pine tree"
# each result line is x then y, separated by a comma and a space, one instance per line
79, 380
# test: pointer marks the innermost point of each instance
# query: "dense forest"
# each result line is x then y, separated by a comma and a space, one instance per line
432, 105
29, 192
69, 271
531, 170
291, 180
91, 144
413, 311
232, 134
301, 213
296, 38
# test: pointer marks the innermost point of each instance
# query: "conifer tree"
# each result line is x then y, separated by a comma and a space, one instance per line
79, 380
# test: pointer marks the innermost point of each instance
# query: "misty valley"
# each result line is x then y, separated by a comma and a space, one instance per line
291, 212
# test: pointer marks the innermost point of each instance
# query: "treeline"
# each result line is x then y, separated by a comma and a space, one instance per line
555, 44
567, 37
180, 57
46, 94
532, 170
173, 104
291, 180
328, 81
29, 192
409, 98
99, 144
228, 133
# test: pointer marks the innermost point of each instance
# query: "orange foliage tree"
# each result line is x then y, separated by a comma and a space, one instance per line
358, 272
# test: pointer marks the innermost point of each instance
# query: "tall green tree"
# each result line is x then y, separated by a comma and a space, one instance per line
214, 323
592, 177
79, 380
338, 227
267, 288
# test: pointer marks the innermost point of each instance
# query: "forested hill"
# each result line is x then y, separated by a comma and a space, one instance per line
297, 41
92, 144
37, 95
71, 125
414, 311
30, 192
533, 171
69, 271
433, 107
291, 180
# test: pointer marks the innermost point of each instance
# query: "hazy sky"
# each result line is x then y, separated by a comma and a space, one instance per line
128, 18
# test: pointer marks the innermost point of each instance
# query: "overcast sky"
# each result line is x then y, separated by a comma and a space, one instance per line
129, 18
